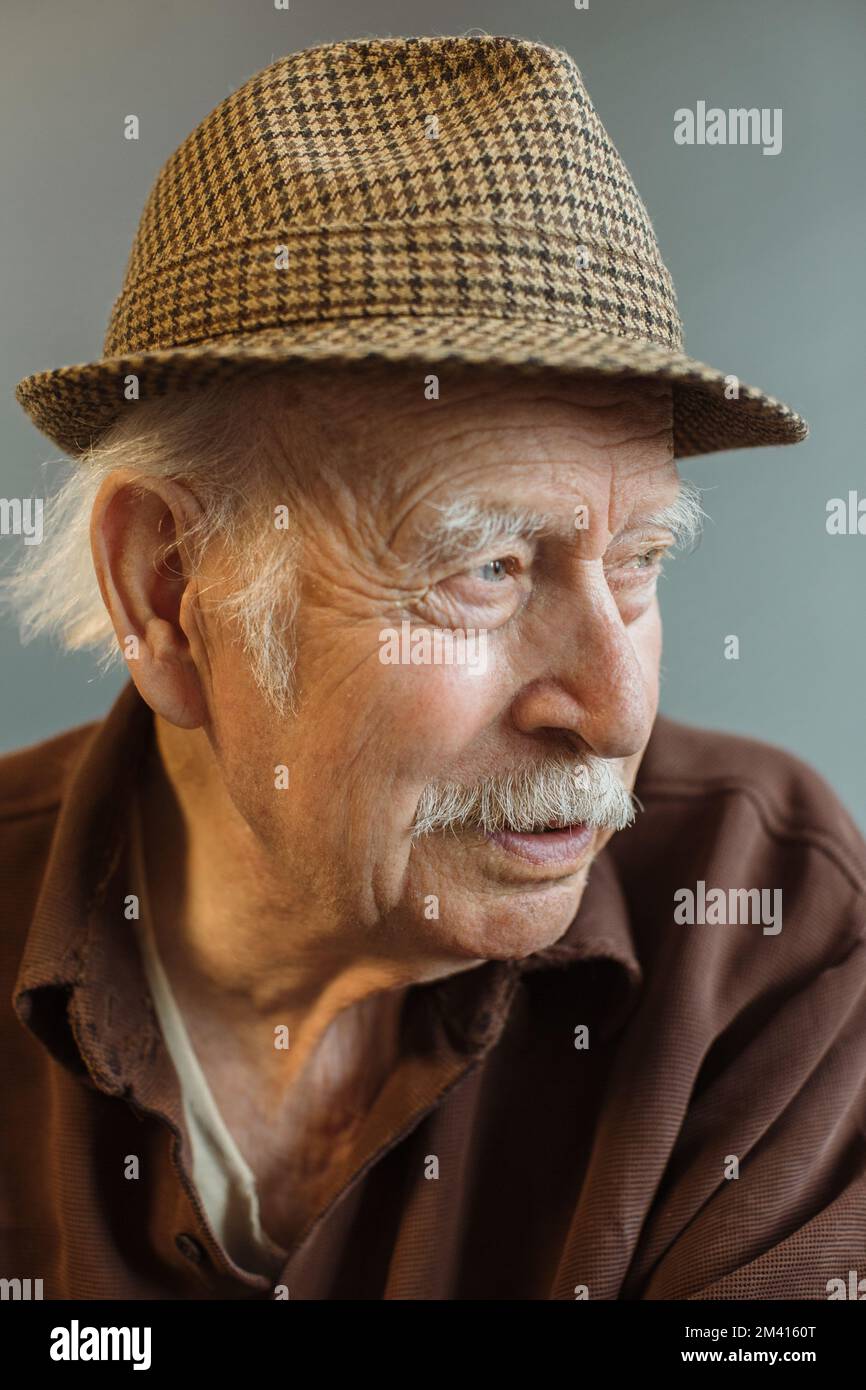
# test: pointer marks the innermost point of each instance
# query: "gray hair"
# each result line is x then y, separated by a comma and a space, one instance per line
222, 449
240, 451
559, 792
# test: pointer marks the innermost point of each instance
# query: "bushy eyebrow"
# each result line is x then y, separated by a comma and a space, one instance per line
684, 517
466, 528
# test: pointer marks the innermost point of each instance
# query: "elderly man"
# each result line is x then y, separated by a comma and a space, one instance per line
357, 964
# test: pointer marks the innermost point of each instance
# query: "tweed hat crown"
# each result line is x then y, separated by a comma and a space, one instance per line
425, 200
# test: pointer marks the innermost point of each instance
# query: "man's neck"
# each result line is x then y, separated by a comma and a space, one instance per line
253, 966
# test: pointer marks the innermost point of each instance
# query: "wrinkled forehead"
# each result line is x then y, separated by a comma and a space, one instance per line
549, 440
394, 435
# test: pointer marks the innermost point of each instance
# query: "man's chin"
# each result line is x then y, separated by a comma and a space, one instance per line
507, 920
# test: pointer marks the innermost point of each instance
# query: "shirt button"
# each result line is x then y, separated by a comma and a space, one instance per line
189, 1248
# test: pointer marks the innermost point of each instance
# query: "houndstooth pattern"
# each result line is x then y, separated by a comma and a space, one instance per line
515, 236
327, 153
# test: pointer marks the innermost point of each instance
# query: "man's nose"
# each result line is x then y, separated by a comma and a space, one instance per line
590, 682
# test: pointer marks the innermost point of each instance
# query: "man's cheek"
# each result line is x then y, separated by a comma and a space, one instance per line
436, 712
647, 641
646, 636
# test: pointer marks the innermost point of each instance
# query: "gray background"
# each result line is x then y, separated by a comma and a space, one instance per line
766, 253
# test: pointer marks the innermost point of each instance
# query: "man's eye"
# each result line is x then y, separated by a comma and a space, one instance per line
648, 559
494, 571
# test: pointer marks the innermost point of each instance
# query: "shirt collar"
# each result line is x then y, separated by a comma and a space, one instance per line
74, 947
600, 936
78, 954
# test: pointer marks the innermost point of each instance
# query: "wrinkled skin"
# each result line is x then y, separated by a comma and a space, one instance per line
310, 906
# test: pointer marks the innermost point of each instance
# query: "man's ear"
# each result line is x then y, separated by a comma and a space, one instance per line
144, 579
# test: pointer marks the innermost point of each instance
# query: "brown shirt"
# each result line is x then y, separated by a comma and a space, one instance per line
708, 1142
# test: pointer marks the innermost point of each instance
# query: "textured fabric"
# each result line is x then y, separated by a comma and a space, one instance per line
222, 1177
559, 1168
421, 200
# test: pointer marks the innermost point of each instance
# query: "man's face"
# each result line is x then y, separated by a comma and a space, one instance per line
568, 609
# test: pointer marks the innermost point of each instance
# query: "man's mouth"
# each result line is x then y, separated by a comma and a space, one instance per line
548, 844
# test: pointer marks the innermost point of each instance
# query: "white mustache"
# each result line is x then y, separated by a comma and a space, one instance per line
559, 792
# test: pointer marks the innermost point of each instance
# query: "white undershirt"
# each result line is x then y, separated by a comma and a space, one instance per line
222, 1177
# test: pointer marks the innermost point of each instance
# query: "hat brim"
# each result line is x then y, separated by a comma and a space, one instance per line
74, 405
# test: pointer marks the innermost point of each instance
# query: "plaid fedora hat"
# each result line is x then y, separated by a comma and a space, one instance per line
417, 200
